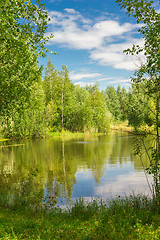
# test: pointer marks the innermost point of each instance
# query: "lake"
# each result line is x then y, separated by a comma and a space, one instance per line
54, 172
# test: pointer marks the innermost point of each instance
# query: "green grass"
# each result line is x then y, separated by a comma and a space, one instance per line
3, 140
129, 218
67, 135
121, 126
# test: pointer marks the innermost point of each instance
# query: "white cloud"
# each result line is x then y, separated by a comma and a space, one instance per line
73, 31
78, 76
104, 79
84, 84
70, 10
114, 80
119, 81
92, 78
124, 184
113, 55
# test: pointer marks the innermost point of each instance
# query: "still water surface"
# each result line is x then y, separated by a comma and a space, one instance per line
53, 171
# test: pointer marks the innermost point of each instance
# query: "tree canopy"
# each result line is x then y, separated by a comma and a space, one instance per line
22, 29
148, 75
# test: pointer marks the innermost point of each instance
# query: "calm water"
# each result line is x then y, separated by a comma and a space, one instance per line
55, 172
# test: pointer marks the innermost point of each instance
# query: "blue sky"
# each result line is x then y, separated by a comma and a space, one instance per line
89, 37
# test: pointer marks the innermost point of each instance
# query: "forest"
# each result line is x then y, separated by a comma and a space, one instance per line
32, 106
55, 103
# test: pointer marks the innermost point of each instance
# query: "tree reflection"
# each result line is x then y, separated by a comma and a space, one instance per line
42, 172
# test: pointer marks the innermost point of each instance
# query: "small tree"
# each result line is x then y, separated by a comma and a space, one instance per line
58, 90
113, 102
100, 115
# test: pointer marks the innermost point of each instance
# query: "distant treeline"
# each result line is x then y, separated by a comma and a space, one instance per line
32, 107
55, 103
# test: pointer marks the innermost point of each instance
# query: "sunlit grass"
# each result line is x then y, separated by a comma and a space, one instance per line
121, 126
128, 218
4, 139
67, 135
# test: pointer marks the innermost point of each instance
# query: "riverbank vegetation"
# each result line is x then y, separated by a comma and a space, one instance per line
32, 106
146, 82
127, 218
56, 105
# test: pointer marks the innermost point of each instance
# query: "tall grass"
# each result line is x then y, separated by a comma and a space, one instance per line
67, 135
133, 217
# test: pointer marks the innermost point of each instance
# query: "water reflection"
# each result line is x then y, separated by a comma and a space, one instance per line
54, 171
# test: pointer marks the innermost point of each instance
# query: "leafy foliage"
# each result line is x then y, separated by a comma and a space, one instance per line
148, 74
138, 106
23, 26
113, 102
75, 108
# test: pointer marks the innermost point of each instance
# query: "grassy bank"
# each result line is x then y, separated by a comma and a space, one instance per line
121, 126
69, 135
129, 218
118, 126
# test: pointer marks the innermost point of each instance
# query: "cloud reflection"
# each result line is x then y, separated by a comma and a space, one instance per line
123, 184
